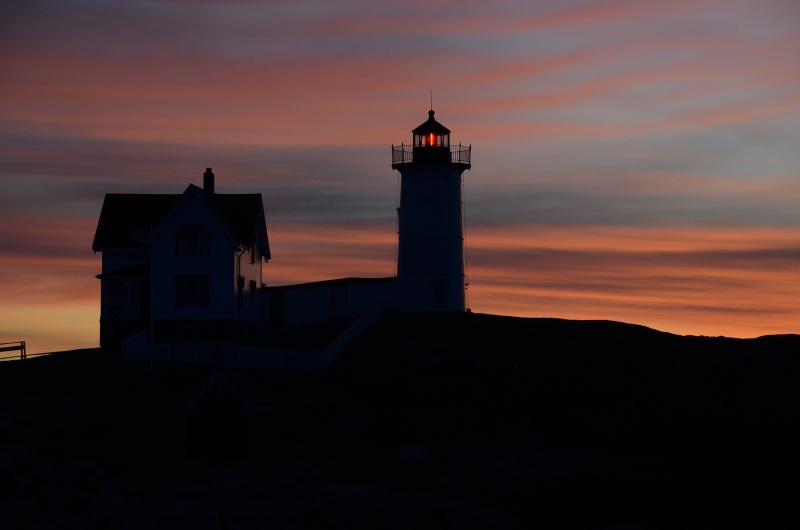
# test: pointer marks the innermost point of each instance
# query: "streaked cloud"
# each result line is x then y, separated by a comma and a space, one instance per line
738, 283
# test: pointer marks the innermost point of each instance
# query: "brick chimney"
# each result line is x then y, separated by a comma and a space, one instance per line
208, 181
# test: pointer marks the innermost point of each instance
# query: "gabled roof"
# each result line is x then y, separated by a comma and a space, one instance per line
431, 126
125, 219
250, 393
239, 212
140, 270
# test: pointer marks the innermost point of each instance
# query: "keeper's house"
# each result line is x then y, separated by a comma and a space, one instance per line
191, 263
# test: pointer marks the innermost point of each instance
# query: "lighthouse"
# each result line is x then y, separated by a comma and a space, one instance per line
430, 253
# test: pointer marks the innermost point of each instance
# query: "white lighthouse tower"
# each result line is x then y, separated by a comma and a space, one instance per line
430, 254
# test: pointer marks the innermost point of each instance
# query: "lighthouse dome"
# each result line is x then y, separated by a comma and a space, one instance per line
431, 125
431, 133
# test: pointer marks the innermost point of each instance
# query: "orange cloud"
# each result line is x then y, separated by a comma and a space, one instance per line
739, 283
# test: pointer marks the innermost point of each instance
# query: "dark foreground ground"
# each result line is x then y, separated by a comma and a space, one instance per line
526, 423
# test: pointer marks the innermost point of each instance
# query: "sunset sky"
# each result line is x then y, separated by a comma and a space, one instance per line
634, 160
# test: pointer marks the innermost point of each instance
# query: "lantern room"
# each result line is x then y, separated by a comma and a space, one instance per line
431, 134
431, 146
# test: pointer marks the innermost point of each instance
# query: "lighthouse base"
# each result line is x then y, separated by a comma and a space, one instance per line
431, 293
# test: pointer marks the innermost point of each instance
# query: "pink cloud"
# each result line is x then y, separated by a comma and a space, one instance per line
604, 11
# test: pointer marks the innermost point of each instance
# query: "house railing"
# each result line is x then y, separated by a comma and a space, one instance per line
134, 343
356, 328
404, 154
136, 347
237, 356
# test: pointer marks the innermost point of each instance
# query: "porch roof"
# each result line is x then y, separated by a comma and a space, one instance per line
140, 270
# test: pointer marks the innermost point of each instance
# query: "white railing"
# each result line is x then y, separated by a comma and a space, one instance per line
238, 356
134, 343
136, 347
356, 328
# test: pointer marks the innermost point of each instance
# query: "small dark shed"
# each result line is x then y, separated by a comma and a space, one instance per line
230, 417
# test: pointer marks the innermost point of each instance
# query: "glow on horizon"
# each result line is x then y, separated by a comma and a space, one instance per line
738, 283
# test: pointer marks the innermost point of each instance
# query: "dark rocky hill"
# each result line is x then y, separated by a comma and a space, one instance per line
425, 421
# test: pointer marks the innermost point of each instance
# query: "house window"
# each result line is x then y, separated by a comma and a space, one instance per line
252, 291
192, 241
438, 296
191, 290
339, 295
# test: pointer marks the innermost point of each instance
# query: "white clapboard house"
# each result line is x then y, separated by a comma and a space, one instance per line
188, 263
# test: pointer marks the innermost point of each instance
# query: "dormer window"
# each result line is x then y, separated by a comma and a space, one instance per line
192, 241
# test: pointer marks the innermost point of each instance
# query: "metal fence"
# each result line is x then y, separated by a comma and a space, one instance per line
13, 346
460, 154
21, 348
404, 154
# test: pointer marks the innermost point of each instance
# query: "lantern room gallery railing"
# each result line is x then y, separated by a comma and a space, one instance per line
404, 154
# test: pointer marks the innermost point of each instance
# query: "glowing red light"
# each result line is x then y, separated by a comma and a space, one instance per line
433, 140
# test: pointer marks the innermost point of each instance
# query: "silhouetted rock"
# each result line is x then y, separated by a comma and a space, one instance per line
100, 509
8, 426
177, 512
12, 455
526, 423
